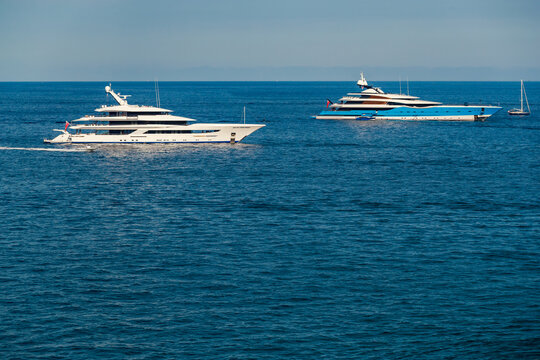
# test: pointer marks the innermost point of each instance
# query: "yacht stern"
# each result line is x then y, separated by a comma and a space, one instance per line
63, 138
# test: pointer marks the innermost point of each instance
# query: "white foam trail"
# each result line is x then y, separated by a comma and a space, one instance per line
41, 149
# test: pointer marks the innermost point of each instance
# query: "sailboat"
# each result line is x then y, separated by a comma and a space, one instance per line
521, 111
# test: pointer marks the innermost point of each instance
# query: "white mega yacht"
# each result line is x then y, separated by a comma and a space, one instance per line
126, 123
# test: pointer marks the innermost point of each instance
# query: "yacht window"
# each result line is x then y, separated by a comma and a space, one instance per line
180, 131
120, 132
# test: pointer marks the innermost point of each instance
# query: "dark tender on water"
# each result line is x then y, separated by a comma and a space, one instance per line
311, 239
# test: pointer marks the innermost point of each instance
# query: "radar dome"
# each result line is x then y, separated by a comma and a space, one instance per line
107, 88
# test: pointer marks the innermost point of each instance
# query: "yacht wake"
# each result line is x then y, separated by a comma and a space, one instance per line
41, 149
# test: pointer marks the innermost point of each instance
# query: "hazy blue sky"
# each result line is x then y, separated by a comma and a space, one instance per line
269, 40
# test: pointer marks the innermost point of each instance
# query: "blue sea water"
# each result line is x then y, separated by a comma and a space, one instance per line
311, 239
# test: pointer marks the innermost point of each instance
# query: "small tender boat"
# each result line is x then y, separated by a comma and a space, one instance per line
521, 111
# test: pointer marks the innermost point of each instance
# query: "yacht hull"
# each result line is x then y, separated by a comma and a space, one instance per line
225, 134
432, 113
407, 118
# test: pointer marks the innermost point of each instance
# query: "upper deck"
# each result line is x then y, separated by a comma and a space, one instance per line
133, 109
133, 114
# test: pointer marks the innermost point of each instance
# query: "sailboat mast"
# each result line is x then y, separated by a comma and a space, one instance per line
527, 100
521, 95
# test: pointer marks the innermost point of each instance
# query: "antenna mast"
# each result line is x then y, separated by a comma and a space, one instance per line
408, 85
156, 88
399, 84
120, 99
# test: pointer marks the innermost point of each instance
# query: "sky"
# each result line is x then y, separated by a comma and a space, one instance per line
209, 40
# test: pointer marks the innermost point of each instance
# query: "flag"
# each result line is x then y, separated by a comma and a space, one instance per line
67, 124
328, 102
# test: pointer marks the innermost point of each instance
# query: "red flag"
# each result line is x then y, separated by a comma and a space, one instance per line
67, 124
328, 102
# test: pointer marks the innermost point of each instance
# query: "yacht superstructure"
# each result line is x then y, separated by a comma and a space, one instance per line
127, 123
374, 104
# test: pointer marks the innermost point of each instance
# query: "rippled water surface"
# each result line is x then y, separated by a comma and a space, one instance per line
311, 239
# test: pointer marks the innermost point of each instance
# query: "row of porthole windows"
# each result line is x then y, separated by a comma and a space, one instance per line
437, 112
127, 132
180, 131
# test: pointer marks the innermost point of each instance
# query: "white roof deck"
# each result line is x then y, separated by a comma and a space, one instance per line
363, 95
396, 101
131, 108
157, 118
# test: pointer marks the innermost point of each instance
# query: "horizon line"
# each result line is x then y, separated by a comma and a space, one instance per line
187, 81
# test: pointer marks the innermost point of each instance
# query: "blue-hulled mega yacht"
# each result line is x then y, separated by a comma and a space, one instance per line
374, 104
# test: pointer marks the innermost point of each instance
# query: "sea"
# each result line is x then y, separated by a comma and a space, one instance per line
310, 239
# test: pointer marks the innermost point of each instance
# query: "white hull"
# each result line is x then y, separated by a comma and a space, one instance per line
518, 112
222, 134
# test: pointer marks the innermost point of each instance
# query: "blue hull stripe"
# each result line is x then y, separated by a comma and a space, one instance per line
408, 111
